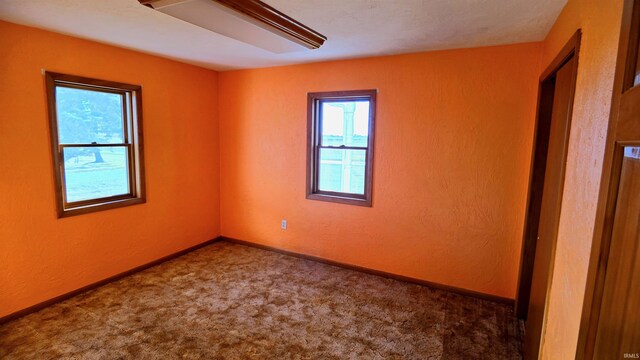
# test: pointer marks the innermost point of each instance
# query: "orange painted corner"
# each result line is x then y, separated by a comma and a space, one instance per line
452, 153
41, 256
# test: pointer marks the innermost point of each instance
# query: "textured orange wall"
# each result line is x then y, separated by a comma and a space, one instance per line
42, 256
453, 142
600, 23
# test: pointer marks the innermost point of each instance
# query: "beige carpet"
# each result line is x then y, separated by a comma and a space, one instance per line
228, 301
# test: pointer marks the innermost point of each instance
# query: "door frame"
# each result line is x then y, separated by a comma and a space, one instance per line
537, 170
610, 179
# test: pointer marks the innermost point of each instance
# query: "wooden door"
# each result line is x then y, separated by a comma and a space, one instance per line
550, 207
611, 321
618, 331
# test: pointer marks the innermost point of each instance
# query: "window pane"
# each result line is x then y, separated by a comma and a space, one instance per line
345, 123
95, 172
86, 116
342, 171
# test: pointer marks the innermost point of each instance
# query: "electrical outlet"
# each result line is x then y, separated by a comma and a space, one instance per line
283, 225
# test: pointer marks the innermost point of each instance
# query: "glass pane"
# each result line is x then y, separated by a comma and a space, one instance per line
95, 172
345, 123
86, 116
342, 171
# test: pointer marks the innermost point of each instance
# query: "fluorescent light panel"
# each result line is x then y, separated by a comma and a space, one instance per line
225, 21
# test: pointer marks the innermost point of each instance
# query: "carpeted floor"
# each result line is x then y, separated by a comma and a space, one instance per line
228, 301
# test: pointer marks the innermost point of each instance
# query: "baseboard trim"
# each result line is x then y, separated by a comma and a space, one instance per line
59, 298
457, 290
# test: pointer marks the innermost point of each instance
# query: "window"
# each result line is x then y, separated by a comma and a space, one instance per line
340, 146
96, 134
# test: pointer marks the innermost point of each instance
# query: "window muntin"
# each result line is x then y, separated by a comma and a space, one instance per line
340, 149
97, 143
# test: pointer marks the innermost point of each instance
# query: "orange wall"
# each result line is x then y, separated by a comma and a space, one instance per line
42, 256
452, 153
600, 23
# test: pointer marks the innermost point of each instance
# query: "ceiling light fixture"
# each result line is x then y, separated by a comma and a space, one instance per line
243, 20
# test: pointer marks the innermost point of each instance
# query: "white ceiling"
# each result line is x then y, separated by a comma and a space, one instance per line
354, 28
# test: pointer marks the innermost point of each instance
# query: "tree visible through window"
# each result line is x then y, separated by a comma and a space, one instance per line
95, 128
340, 146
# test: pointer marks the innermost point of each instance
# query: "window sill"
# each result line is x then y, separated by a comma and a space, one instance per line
340, 199
63, 213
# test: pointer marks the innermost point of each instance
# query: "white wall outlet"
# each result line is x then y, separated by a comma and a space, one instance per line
283, 224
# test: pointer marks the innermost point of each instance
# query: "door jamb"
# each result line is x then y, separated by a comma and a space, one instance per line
532, 215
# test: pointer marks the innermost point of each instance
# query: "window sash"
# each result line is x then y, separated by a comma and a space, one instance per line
127, 111
317, 165
131, 179
320, 116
